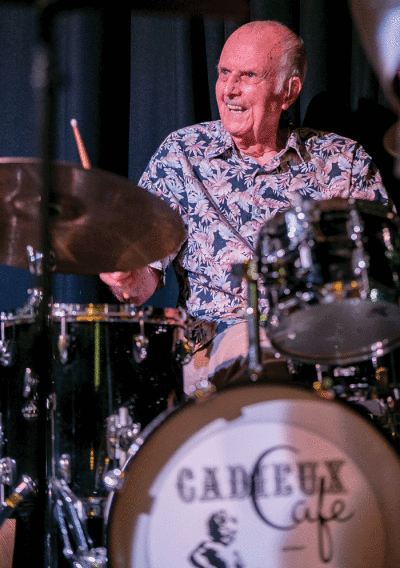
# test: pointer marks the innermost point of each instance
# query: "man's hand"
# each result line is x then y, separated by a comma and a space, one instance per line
134, 287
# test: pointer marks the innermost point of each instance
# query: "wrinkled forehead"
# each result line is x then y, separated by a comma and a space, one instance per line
251, 49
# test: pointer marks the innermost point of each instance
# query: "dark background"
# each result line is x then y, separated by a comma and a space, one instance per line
130, 77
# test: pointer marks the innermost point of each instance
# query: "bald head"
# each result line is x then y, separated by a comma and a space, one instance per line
260, 75
283, 51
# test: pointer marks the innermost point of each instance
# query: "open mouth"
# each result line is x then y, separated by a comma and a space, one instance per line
236, 109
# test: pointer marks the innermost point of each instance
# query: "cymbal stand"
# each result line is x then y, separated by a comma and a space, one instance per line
253, 322
44, 84
248, 271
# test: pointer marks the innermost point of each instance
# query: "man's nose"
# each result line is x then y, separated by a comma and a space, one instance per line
232, 85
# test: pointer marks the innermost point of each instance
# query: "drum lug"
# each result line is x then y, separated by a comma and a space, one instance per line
355, 227
65, 468
63, 342
121, 432
183, 351
30, 410
7, 348
112, 479
182, 346
360, 261
8, 471
306, 260
360, 265
63, 347
30, 383
140, 346
140, 342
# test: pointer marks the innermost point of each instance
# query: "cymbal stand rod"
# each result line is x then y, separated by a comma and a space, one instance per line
253, 322
248, 271
44, 74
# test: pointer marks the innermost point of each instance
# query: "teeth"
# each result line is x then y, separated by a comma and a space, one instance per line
236, 108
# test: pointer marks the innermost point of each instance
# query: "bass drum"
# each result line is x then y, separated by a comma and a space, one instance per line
258, 475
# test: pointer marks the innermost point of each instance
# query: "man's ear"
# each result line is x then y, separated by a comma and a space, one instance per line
293, 89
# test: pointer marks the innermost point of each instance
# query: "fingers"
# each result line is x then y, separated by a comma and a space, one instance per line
113, 278
135, 286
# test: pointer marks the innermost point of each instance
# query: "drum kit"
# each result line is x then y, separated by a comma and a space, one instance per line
105, 462
257, 473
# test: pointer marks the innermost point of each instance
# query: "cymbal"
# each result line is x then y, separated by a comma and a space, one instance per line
98, 221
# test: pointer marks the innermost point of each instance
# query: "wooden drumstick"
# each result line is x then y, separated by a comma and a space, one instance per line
81, 147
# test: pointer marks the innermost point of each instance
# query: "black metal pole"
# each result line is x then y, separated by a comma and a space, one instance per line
45, 84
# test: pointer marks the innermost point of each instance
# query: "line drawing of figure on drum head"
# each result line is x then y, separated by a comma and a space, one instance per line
216, 551
230, 177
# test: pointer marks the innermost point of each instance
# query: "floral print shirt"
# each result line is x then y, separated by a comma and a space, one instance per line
225, 198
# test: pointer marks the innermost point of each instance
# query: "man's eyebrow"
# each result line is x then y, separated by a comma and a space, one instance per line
249, 70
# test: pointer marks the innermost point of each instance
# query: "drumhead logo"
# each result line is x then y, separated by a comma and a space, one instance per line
251, 494
217, 550
270, 483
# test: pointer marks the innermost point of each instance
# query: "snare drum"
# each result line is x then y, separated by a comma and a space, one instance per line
114, 369
331, 269
258, 475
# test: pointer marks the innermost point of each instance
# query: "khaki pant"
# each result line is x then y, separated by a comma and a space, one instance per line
225, 360
7, 539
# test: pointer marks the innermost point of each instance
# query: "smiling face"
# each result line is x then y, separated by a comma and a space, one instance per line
222, 527
246, 89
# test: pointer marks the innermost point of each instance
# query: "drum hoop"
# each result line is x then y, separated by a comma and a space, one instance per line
125, 313
277, 390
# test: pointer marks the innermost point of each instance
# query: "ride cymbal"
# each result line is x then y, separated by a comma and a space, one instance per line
98, 221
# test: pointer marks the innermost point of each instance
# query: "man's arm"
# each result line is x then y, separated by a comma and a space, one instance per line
139, 285
134, 287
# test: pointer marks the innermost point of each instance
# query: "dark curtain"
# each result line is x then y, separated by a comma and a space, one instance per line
131, 77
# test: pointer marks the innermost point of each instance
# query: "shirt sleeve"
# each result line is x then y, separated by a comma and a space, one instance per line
366, 180
164, 177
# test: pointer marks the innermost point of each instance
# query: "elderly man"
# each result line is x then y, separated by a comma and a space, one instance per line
227, 178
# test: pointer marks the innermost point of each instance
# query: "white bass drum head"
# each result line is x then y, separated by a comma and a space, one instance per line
258, 476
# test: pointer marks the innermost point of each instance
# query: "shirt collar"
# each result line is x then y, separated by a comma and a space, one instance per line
223, 143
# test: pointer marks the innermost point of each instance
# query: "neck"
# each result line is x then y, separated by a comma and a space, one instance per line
264, 150
260, 154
